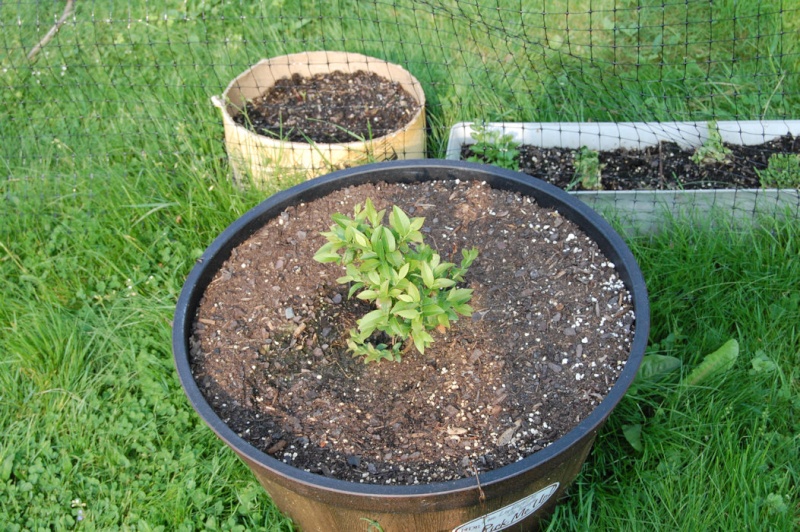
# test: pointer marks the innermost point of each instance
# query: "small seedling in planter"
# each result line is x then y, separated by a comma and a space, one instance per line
783, 171
587, 170
493, 147
367, 157
413, 291
714, 150
247, 121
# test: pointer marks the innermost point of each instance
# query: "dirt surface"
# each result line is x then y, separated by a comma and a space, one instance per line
330, 108
663, 167
550, 335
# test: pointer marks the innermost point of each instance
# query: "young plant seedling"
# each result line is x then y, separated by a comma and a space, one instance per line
714, 150
493, 147
587, 170
783, 171
412, 290
244, 116
367, 157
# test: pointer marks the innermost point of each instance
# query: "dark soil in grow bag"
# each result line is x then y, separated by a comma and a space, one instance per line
330, 108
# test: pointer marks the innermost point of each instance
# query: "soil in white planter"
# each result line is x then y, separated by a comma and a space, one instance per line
550, 335
666, 166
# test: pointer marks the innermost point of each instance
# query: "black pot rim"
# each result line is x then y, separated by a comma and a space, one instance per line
409, 171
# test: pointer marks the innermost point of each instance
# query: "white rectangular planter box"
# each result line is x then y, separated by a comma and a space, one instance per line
643, 209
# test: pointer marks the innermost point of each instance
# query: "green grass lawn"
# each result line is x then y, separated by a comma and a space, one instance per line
116, 179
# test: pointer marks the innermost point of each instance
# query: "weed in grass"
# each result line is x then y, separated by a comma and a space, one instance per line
714, 364
657, 368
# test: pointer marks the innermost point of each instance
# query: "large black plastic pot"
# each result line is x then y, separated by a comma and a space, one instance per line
516, 495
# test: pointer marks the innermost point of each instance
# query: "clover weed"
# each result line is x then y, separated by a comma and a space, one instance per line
412, 289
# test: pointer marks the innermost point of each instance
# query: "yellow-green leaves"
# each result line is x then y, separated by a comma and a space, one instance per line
399, 221
714, 364
401, 274
324, 254
427, 274
413, 290
407, 228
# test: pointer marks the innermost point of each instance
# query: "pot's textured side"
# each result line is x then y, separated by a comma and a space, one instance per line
257, 157
470, 509
517, 495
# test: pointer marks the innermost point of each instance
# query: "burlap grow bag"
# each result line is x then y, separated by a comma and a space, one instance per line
260, 157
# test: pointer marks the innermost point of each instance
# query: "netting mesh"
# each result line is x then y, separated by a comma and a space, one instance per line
102, 90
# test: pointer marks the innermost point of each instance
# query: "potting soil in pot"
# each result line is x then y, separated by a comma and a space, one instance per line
551, 332
330, 108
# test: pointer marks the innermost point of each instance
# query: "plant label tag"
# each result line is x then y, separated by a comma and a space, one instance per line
511, 514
